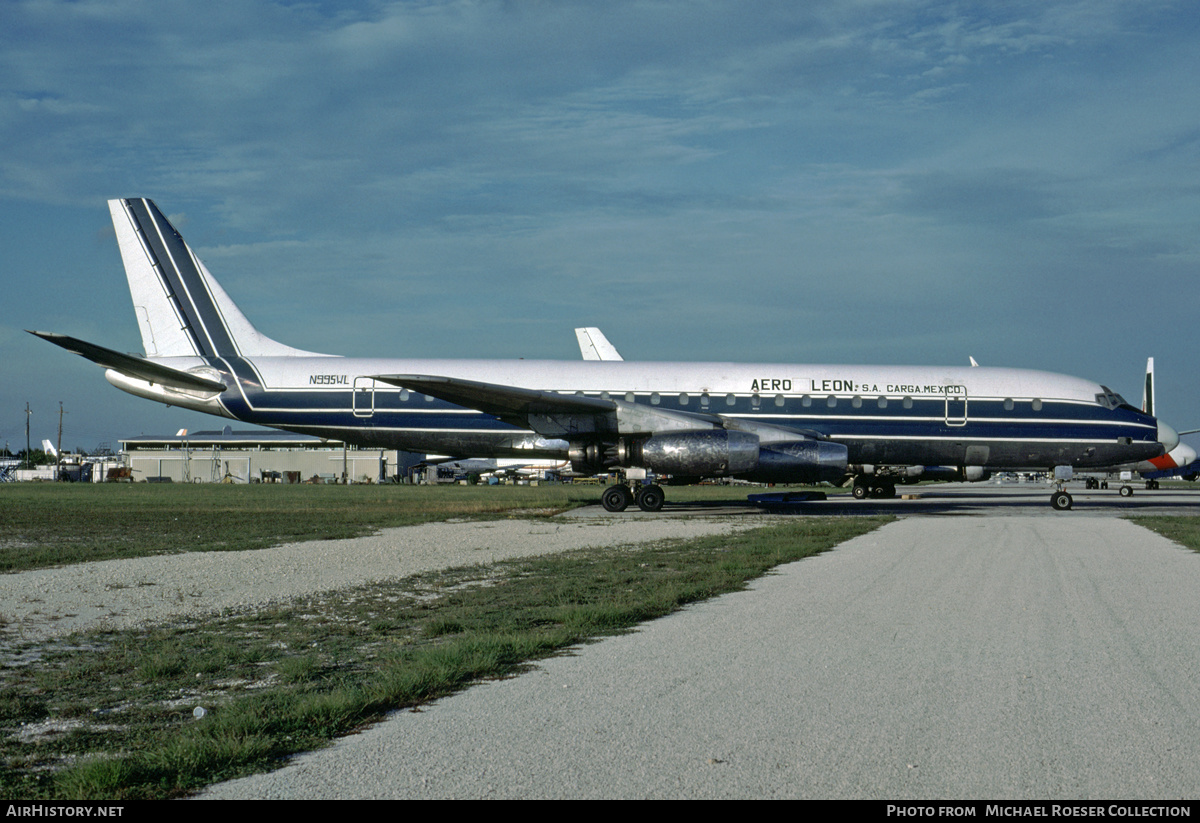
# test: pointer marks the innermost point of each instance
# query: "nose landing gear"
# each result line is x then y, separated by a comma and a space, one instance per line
1061, 500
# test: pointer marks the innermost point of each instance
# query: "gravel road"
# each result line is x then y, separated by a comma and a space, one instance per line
126, 593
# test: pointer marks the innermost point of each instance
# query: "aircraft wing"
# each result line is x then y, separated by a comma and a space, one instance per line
551, 414
132, 365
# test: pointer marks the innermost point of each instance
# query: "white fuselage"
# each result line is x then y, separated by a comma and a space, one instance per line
1003, 418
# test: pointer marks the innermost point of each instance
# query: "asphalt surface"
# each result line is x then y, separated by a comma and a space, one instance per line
1025, 654
984, 499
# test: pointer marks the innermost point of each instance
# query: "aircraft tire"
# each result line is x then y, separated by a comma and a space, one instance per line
1061, 501
861, 492
1127, 491
616, 498
650, 498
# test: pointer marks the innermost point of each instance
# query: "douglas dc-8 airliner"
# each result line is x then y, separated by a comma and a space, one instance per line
773, 423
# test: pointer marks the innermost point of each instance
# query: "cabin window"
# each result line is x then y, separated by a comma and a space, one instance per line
856, 402
428, 398
805, 401
755, 401
628, 397
730, 400
907, 402
404, 395
831, 402
1009, 404
779, 400
604, 396
1037, 404
704, 400
655, 399
882, 402
683, 398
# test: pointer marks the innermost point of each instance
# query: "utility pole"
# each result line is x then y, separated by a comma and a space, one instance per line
27, 454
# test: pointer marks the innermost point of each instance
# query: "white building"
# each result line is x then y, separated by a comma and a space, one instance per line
258, 456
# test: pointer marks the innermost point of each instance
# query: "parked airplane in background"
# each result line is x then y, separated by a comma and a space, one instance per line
774, 423
1175, 462
1176, 458
593, 345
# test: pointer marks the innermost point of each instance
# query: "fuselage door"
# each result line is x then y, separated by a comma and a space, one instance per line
362, 399
956, 405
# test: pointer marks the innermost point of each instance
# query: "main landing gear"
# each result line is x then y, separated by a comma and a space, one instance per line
1061, 500
650, 498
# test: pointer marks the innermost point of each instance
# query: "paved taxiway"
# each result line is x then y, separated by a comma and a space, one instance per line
1036, 655
986, 499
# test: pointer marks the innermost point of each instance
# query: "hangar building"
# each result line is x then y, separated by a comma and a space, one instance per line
259, 456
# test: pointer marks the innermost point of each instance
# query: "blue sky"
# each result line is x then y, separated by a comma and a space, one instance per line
843, 182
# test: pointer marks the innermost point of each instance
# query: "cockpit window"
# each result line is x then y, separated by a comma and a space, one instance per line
1109, 399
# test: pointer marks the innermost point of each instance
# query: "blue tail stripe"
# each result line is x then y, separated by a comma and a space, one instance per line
187, 289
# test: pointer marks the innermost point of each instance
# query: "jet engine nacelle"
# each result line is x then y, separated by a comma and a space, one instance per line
588, 458
803, 461
972, 474
719, 452
975, 474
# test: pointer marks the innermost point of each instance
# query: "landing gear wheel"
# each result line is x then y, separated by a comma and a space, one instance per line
1127, 491
650, 498
1061, 501
860, 492
616, 498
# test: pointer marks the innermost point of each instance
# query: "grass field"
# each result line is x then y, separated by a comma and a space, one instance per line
51, 524
110, 714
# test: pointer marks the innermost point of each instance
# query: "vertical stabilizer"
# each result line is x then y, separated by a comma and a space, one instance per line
181, 310
593, 345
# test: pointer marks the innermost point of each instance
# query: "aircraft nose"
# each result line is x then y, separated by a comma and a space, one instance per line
1167, 436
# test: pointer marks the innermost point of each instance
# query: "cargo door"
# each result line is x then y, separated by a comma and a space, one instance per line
362, 398
956, 405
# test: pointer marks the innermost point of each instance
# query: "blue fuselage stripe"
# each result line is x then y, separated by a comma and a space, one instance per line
989, 421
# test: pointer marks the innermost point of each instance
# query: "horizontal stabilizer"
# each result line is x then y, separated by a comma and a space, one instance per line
132, 365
